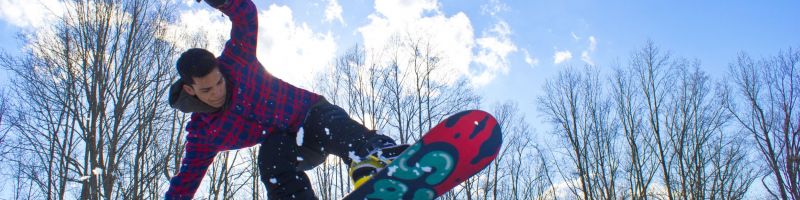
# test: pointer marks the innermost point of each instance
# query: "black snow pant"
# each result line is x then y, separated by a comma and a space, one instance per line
282, 159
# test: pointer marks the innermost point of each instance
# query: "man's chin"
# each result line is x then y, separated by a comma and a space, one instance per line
215, 104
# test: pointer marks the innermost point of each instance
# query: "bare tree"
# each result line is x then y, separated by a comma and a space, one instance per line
683, 131
5, 148
732, 172
560, 105
651, 68
434, 93
416, 76
506, 176
639, 165
510, 122
768, 111
694, 122
575, 104
4, 127
96, 81
670, 120
397, 96
540, 182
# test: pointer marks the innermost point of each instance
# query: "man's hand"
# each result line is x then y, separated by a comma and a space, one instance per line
214, 3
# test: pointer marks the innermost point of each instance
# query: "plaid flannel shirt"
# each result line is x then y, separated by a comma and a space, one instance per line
260, 104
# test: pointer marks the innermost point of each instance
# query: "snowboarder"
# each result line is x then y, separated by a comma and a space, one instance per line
235, 103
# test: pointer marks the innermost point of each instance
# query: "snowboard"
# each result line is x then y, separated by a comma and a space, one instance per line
451, 152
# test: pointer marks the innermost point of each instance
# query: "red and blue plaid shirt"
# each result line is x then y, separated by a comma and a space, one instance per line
260, 104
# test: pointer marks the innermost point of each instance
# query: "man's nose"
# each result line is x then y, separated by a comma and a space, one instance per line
217, 93
221, 91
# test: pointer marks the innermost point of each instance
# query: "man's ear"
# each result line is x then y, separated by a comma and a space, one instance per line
188, 89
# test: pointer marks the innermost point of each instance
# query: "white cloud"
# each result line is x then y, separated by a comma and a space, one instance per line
532, 61
31, 13
564, 190
561, 56
493, 7
288, 50
493, 53
451, 37
37, 18
560, 190
404, 11
585, 57
575, 36
201, 28
191, 2
333, 11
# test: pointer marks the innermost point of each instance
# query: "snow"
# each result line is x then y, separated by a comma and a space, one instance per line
299, 158
327, 131
300, 135
273, 181
417, 171
392, 170
97, 171
427, 169
354, 157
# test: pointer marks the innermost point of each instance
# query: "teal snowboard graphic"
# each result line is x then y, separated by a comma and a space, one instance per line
450, 153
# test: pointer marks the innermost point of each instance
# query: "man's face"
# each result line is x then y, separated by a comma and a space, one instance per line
210, 89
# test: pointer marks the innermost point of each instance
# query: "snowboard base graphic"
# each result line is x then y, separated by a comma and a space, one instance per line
450, 153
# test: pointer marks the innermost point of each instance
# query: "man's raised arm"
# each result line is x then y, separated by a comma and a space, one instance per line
244, 33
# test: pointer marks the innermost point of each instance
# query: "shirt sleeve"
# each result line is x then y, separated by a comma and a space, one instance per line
244, 30
193, 168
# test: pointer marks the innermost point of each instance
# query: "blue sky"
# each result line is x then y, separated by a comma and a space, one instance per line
712, 31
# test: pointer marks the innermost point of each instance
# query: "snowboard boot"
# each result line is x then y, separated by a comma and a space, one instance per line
361, 171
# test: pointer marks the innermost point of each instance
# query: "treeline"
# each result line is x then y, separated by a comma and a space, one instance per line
659, 127
85, 117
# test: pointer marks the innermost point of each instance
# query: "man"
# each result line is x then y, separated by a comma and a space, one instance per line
235, 103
